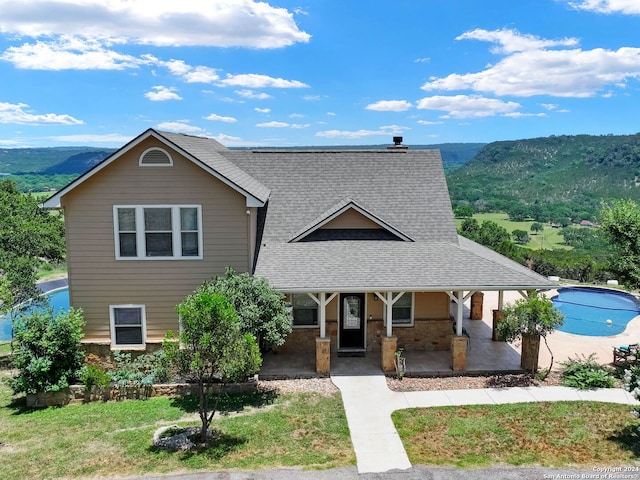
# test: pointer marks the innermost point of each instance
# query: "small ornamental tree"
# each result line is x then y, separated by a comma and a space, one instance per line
530, 318
262, 309
212, 348
46, 351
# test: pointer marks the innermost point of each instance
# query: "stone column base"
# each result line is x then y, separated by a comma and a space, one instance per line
389, 347
458, 353
323, 355
476, 306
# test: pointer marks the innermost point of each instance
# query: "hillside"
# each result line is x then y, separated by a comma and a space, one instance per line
577, 170
45, 169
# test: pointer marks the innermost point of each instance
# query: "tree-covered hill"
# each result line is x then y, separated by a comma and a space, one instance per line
45, 169
578, 172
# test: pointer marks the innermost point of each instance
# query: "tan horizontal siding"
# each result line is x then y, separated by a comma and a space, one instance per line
98, 280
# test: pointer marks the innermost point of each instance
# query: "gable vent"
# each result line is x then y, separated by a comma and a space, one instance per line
156, 157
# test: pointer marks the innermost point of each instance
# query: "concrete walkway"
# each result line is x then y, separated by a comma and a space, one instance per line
368, 404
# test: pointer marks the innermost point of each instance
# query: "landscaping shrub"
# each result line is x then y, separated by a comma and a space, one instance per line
586, 373
135, 376
46, 351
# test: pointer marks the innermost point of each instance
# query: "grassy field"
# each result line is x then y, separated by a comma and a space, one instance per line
558, 434
261, 430
267, 430
548, 239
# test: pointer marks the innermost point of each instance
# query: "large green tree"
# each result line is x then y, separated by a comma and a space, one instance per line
262, 309
620, 226
212, 348
29, 237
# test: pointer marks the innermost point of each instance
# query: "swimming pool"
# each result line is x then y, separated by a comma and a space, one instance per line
58, 299
595, 312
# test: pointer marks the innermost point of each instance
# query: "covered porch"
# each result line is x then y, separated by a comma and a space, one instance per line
483, 354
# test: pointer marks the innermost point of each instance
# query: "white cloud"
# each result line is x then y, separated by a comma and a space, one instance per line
354, 134
223, 23
467, 106
254, 80
180, 127
253, 95
296, 115
92, 139
273, 125
68, 53
262, 110
389, 106
510, 41
422, 60
427, 122
162, 94
17, 113
523, 115
530, 68
300, 125
220, 118
629, 7
549, 106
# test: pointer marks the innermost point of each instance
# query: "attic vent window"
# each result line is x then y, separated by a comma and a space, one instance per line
155, 157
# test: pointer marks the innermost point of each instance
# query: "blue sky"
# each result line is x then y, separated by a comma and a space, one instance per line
317, 72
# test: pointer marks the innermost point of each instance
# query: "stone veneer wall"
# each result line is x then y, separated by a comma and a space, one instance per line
424, 335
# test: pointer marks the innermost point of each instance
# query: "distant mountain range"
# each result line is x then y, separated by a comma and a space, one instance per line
579, 169
582, 170
36, 169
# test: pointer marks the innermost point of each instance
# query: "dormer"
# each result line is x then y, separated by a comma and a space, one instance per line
349, 221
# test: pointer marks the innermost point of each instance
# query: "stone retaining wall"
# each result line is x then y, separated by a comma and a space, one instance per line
77, 393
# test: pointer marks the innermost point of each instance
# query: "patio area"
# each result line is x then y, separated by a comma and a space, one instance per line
484, 356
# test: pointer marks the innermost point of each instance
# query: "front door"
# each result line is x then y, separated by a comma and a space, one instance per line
352, 322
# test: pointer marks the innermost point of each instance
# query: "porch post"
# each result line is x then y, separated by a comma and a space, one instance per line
458, 342
323, 314
389, 306
459, 312
323, 343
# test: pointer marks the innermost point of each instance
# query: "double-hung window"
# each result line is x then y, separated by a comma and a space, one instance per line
402, 310
158, 231
127, 325
305, 310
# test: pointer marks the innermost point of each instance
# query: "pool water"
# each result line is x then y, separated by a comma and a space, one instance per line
58, 299
595, 312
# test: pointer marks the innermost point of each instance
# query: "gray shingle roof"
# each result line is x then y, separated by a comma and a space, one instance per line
404, 189
212, 154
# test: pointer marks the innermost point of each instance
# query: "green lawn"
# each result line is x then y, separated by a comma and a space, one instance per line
266, 430
548, 239
114, 438
556, 434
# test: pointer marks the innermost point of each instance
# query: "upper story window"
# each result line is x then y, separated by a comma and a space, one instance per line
155, 157
157, 232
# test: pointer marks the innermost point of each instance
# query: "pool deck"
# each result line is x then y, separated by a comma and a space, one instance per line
568, 345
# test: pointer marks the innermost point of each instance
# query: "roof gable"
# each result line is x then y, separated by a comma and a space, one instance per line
204, 152
340, 210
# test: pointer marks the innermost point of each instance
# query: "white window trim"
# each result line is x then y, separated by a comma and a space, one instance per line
400, 325
303, 327
170, 164
112, 325
140, 232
